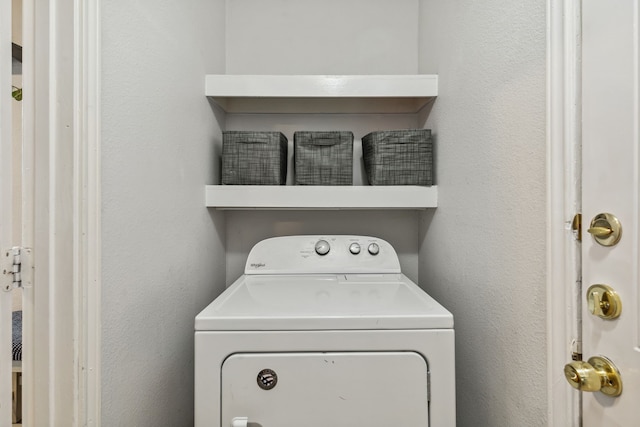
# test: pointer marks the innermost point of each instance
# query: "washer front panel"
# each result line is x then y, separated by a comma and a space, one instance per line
374, 389
212, 348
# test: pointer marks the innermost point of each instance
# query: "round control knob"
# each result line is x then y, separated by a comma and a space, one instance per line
322, 247
374, 249
354, 248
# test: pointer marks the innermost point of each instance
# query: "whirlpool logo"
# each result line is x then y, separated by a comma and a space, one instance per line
257, 264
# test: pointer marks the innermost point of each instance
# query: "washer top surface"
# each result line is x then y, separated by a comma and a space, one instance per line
323, 283
324, 302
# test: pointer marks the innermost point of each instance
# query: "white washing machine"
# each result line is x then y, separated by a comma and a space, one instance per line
324, 331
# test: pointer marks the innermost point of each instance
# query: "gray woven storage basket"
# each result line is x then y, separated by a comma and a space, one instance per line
398, 157
254, 158
323, 158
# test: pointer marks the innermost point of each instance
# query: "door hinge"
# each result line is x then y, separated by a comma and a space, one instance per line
576, 226
17, 268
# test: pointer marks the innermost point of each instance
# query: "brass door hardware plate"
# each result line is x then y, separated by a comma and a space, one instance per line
598, 374
576, 226
605, 229
604, 302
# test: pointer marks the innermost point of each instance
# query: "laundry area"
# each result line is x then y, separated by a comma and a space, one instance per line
324, 329
175, 75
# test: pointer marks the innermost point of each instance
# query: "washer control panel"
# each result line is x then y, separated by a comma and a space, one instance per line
322, 254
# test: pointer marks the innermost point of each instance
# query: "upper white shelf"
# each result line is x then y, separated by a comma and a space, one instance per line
320, 197
322, 93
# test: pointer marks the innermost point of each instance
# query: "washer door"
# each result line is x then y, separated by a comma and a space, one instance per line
373, 389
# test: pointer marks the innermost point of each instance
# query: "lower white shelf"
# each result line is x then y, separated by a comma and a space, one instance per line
320, 197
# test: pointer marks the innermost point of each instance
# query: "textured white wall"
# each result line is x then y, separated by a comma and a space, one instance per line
481, 253
483, 250
163, 254
322, 37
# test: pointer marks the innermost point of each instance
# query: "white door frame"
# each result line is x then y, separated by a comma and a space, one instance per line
563, 202
66, 319
61, 209
87, 208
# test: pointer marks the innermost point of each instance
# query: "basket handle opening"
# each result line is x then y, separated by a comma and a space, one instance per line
323, 141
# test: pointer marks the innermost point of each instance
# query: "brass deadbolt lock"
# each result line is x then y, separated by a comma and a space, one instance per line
605, 229
604, 302
598, 374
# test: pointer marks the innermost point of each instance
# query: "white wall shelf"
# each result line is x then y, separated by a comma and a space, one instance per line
322, 93
320, 197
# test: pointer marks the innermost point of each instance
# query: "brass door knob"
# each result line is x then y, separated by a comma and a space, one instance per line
605, 229
604, 302
598, 374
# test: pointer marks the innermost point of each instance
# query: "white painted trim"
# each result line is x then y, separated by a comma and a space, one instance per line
61, 209
87, 208
56, 148
563, 178
636, 157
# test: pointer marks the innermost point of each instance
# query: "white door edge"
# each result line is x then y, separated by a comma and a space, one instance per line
6, 209
611, 164
28, 204
563, 201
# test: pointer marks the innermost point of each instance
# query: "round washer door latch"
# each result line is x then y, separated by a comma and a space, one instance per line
267, 379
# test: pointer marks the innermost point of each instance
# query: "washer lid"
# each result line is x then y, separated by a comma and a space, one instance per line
323, 302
